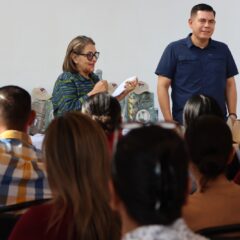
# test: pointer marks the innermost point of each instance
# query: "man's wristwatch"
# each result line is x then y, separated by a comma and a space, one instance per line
234, 115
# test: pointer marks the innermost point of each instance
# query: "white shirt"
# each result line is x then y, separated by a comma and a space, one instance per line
177, 231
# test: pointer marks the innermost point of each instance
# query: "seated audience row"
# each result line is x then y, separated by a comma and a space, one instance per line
146, 193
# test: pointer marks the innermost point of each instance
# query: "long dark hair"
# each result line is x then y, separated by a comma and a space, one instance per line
104, 109
199, 105
210, 144
150, 174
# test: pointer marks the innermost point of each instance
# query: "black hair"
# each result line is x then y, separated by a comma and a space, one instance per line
150, 174
202, 7
104, 109
15, 106
210, 145
200, 105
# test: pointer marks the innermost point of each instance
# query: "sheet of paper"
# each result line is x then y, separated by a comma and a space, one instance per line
121, 87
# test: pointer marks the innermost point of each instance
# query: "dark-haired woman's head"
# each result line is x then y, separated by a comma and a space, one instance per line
104, 109
199, 105
210, 145
150, 175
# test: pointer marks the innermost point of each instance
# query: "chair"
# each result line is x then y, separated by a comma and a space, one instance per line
9, 216
226, 232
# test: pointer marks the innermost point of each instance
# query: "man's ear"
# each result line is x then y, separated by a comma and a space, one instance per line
31, 118
190, 22
114, 199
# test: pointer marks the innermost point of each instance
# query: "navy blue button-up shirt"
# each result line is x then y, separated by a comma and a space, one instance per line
193, 71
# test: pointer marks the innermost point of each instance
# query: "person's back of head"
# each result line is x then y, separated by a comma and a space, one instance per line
78, 168
15, 108
199, 105
150, 174
104, 109
202, 7
210, 144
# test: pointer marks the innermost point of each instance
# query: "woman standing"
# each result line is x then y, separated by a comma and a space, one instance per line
78, 81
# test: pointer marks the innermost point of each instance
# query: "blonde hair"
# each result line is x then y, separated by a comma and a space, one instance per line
75, 46
78, 167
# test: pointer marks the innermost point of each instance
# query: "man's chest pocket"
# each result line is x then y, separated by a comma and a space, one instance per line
215, 64
187, 65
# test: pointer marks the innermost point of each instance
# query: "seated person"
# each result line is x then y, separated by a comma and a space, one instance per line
216, 200
204, 105
106, 110
199, 105
150, 182
78, 166
22, 174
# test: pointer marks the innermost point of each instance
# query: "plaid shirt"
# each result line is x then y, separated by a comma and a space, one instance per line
22, 174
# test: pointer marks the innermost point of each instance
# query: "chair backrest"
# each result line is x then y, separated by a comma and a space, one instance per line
225, 232
9, 216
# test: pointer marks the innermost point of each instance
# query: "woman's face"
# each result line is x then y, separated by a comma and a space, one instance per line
84, 65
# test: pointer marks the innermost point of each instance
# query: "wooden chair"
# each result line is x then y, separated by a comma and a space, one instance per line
226, 232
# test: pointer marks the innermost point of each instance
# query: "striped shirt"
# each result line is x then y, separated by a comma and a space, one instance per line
22, 174
70, 91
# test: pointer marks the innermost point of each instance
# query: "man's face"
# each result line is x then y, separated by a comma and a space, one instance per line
202, 25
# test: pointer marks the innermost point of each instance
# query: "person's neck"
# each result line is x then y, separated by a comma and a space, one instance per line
201, 43
128, 224
211, 184
2, 129
84, 74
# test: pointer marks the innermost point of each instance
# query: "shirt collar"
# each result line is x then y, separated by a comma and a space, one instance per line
92, 76
14, 134
190, 44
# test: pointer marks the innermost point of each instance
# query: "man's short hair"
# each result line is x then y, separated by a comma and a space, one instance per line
15, 107
202, 7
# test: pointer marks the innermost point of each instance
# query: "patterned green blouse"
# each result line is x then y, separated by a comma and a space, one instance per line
70, 91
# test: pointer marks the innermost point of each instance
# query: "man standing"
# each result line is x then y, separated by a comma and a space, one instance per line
22, 172
197, 65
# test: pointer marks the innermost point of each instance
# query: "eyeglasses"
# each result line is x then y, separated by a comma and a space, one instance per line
90, 55
127, 127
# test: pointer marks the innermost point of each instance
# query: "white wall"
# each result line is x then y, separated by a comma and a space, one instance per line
130, 34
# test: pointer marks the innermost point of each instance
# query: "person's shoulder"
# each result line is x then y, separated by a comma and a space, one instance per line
218, 44
177, 43
63, 80
66, 76
39, 213
32, 223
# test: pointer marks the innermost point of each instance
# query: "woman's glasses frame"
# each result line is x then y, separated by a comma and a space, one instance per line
89, 55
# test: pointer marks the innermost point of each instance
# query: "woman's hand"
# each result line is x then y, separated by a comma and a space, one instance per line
130, 85
101, 86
